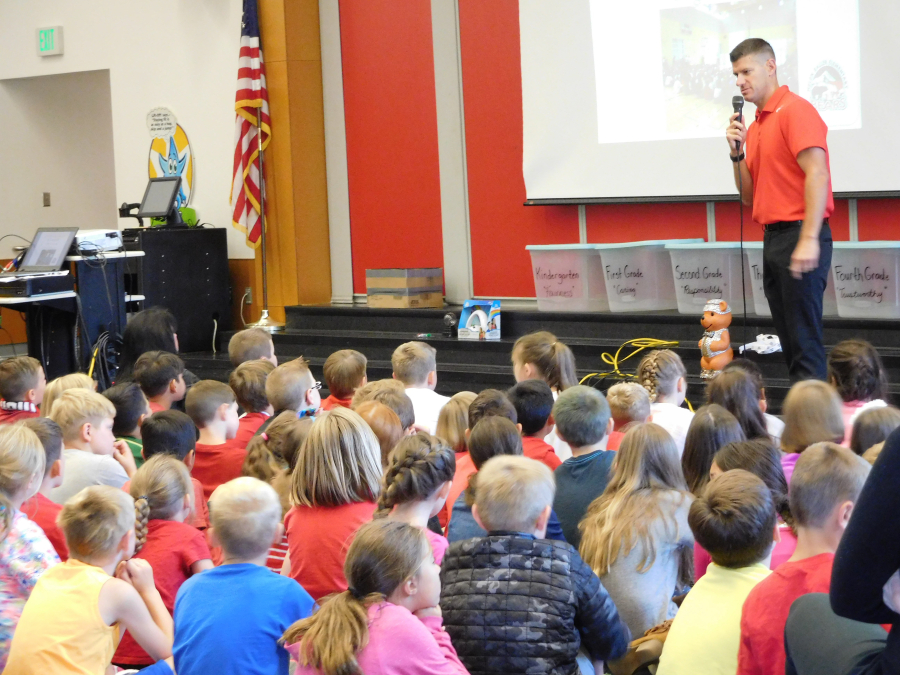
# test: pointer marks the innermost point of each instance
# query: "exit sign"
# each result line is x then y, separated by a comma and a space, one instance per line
50, 41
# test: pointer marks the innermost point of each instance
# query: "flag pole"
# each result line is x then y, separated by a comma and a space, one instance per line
265, 321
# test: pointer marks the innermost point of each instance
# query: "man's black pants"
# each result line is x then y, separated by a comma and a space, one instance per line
796, 304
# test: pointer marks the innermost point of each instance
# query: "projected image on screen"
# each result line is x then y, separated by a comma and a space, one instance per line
696, 70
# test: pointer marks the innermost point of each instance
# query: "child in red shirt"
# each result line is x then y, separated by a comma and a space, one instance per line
248, 382
826, 483
345, 372
22, 385
163, 499
212, 407
533, 401
161, 376
40, 509
629, 404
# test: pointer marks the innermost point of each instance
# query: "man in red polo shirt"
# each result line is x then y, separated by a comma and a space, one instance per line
787, 180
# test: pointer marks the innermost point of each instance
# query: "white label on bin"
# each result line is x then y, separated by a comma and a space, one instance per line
558, 283
624, 281
861, 286
700, 283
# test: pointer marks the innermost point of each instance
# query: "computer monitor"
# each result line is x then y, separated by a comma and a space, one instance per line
159, 199
48, 249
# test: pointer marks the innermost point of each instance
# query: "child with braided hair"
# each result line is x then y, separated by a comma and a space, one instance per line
664, 377
163, 498
416, 485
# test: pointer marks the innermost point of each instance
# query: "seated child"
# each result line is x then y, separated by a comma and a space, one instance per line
393, 394
525, 583
230, 618
533, 401
390, 610
161, 376
583, 421
415, 366
774, 425
385, 424
873, 426
454, 420
856, 371
56, 387
22, 385
79, 609
734, 520
825, 486
493, 435
711, 428
662, 374
629, 404
737, 392
92, 455
132, 408
25, 553
291, 386
334, 488
345, 372
163, 500
248, 382
416, 484
812, 414
171, 432
251, 344
40, 508
212, 408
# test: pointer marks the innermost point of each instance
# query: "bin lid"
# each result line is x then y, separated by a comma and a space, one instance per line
706, 245
656, 243
866, 244
561, 247
755, 245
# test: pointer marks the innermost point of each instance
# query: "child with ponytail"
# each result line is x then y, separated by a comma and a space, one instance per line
163, 499
388, 619
540, 356
416, 485
25, 552
664, 377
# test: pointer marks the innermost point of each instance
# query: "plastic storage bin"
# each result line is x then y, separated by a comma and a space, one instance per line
753, 251
707, 271
568, 278
638, 275
865, 276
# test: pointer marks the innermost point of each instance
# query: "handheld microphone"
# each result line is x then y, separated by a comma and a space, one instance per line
737, 103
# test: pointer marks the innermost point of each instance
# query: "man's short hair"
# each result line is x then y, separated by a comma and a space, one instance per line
826, 475
628, 402
581, 415
533, 401
168, 432
286, 386
248, 381
491, 403
412, 361
344, 371
76, 407
494, 435
512, 492
204, 399
17, 376
154, 370
734, 519
250, 344
130, 403
752, 46
245, 514
50, 436
391, 393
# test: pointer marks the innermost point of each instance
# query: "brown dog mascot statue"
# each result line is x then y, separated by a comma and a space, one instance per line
715, 346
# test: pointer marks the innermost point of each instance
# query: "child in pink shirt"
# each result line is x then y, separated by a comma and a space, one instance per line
393, 579
856, 371
416, 484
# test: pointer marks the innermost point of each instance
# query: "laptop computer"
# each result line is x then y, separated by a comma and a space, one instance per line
47, 252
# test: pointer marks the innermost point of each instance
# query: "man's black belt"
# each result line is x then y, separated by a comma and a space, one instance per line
787, 224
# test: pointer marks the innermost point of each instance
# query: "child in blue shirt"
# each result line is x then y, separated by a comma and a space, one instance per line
229, 619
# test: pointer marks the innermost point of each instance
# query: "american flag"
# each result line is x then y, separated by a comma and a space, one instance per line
251, 97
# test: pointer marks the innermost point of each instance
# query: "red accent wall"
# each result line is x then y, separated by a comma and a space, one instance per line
728, 222
614, 223
878, 219
500, 225
392, 146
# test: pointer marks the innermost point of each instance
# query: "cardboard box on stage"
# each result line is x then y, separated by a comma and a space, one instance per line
405, 288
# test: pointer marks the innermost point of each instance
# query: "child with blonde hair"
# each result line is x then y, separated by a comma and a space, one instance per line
92, 455
389, 617
344, 372
416, 485
540, 356
163, 500
393, 394
664, 377
25, 552
454, 420
335, 485
230, 619
291, 386
78, 609
22, 386
251, 344
812, 414
629, 404
248, 382
634, 536
56, 387
40, 508
415, 365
